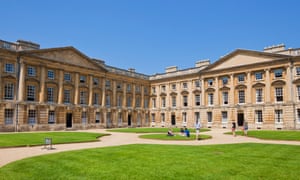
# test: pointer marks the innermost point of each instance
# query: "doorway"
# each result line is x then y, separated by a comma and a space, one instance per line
173, 119
240, 118
129, 119
69, 120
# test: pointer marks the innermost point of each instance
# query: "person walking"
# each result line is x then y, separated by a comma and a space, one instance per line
197, 127
233, 128
245, 128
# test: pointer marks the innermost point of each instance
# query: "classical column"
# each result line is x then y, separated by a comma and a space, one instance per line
114, 90
268, 86
249, 88
202, 92
216, 102
42, 85
133, 96
60, 87
124, 95
231, 91
21, 89
103, 93
142, 97
289, 83
76, 93
91, 84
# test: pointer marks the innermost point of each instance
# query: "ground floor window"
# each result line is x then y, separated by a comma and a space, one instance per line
153, 117
84, 117
184, 117
298, 115
51, 117
258, 116
120, 118
8, 116
278, 116
197, 117
138, 119
32, 116
209, 117
97, 117
224, 117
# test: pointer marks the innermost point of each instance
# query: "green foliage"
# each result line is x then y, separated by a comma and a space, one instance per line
272, 134
235, 161
37, 138
151, 130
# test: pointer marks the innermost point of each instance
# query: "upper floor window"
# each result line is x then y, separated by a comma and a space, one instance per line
185, 101
259, 95
197, 99
67, 96
96, 99
31, 93
210, 82
50, 94
95, 81
146, 90
83, 97
107, 83
50, 74
278, 73
9, 68
119, 100
225, 81
241, 96
297, 71
31, 71
173, 101
184, 85
210, 99
241, 78
129, 101
107, 100
197, 84
138, 102
137, 88
279, 94
128, 87
174, 87
298, 92
82, 79
9, 91
163, 102
225, 97
119, 86
67, 77
146, 103
153, 103
163, 88
153, 90
258, 76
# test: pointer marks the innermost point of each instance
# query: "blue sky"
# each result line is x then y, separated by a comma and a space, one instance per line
149, 35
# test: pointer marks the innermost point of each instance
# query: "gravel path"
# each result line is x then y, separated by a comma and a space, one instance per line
8, 155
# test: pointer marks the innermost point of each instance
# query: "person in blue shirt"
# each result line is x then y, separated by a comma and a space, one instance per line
187, 132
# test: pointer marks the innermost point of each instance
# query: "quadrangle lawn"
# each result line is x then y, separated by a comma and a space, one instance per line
233, 161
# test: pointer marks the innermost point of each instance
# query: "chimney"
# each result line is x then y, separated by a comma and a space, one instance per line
274, 48
171, 69
27, 45
131, 70
204, 62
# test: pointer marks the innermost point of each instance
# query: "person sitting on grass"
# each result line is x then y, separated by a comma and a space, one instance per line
182, 132
187, 132
170, 133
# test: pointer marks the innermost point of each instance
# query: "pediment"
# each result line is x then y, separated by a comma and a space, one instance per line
68, 55
240, 58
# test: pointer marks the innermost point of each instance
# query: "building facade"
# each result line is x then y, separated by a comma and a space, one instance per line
61, 88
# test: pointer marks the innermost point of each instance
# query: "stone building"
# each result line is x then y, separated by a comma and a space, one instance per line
61, 88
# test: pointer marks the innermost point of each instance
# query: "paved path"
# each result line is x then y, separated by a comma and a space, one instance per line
8, 155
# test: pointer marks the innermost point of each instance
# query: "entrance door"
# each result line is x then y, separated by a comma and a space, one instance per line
69, 120
129, 119
240, 119
173, 119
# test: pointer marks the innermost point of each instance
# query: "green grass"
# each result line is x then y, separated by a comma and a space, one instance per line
235, 161
151, 130
37, 138
273, 135
178, 137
